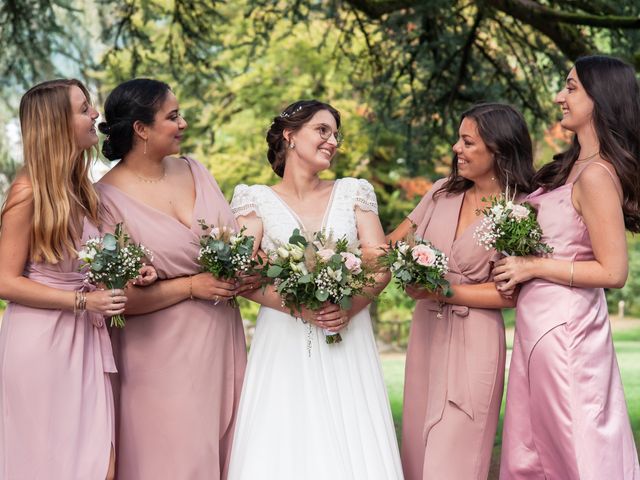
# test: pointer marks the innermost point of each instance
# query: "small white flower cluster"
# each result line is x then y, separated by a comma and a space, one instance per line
510, 228
487, 233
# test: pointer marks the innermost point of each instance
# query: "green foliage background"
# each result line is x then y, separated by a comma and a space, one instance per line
399, 71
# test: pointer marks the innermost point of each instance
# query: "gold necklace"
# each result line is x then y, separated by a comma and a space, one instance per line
147, 179
475, 199
587, 158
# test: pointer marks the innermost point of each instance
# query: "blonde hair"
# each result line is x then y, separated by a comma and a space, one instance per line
57, 169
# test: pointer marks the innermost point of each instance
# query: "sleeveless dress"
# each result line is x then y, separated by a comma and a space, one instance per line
181, 367
454, 374
310, 410
566, 416
56, 403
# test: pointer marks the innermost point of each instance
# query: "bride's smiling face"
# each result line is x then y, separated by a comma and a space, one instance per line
316, 142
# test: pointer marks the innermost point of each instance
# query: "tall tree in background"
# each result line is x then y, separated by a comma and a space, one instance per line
402, 71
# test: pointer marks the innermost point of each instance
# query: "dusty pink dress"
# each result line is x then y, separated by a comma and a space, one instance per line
566, 416
454, 372
56, 404
181, 368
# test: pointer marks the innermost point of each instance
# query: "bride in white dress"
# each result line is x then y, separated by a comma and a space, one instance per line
309, 410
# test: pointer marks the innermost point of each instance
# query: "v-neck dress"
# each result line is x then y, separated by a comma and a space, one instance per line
181, 367
454, 373
310, 410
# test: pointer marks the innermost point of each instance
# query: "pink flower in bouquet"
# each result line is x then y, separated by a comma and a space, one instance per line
325, 254
423, 255
519, 212
353, 263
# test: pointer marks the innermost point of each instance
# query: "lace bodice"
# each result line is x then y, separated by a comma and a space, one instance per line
279, 221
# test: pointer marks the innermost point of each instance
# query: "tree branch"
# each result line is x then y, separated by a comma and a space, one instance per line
534, 9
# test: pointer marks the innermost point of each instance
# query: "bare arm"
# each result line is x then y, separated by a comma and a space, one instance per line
480, 295
371, 236
15, 238
401, 231
596, 197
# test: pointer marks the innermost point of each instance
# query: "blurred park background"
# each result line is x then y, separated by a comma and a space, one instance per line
399, 71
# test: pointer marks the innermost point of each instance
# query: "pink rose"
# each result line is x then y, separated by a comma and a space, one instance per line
519, 212
353, 263
325, 254
423, 255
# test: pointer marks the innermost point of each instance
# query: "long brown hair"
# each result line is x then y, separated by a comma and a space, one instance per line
505, 133
612, 86
57, 170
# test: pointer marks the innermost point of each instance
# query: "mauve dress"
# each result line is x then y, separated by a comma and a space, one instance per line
181, 368
454, 374
566, 416
55, 392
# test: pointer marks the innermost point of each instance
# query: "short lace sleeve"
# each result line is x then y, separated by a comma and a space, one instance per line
365, 197
243, 201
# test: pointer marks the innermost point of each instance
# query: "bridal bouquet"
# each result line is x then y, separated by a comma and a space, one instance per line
113, 260
308, 273
415, 261
510, 228
226, 253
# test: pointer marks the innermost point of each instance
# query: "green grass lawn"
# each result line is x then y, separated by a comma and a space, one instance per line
627, 344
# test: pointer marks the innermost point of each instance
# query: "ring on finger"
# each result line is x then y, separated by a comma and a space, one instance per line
113, 292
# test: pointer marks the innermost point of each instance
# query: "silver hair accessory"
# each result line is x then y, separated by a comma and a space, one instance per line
287, 115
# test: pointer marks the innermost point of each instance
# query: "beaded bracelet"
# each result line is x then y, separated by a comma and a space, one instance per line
80, 303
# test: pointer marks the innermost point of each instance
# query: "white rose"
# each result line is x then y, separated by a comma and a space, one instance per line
403, 248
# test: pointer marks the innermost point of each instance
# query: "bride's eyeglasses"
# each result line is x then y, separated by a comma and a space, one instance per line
325, 133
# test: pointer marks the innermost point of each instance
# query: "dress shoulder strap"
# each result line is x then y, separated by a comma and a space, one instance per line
614, 178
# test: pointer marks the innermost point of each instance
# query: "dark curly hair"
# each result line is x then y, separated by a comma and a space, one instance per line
505, 133
293, 118
131, 101
612, 86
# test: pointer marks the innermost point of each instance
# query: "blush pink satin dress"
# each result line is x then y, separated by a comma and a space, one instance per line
566, 417
181, 367
454, 374
56, 402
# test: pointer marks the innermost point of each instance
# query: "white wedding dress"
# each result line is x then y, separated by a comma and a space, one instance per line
309, 410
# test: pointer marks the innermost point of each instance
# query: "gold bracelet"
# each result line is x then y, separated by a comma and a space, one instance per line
76, 301
190, 287
83, 301
571, 275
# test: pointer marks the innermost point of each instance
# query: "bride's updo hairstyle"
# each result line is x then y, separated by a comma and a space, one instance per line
131, 101
293, 118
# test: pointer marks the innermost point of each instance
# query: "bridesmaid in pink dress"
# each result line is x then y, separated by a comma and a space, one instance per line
566, 416
182, 354
454, 372
56, 403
